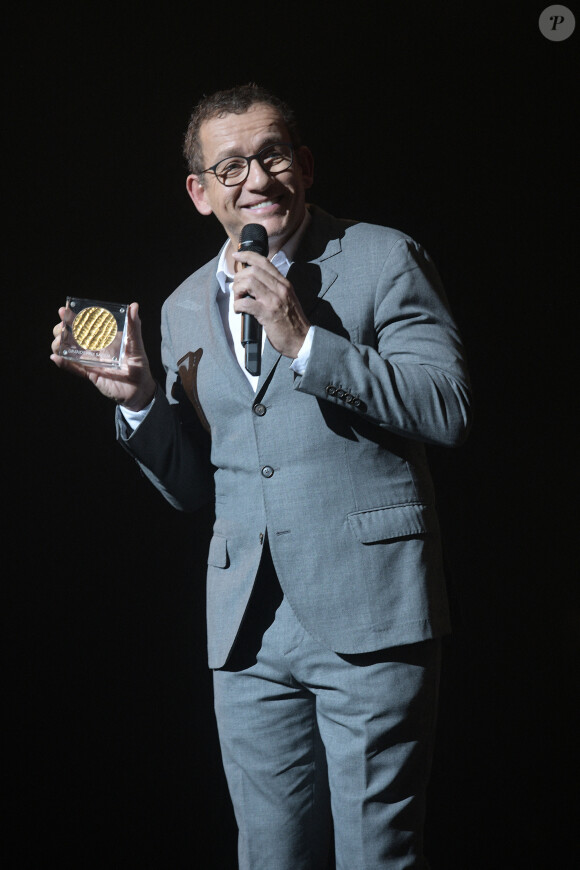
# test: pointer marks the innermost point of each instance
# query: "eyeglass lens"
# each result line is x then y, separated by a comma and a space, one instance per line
273, 159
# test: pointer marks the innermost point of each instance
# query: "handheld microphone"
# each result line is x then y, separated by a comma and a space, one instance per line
253, 238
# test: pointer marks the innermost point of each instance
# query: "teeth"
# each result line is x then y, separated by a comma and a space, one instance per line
261, 204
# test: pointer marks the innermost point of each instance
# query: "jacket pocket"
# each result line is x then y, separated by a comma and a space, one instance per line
218, 552
395, 521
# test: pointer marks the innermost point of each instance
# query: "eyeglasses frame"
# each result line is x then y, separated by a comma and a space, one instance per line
249, 163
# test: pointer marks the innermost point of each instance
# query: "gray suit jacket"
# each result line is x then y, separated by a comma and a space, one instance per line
331, 464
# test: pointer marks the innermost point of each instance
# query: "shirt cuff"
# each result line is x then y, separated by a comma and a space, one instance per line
299, 364
135, 418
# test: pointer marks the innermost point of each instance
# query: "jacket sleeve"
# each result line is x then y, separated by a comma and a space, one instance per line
169, 455
171, 446
408, 373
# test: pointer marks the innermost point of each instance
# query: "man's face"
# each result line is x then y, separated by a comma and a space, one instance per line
275, 201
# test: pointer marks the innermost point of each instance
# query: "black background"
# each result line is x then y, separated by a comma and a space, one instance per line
451, 121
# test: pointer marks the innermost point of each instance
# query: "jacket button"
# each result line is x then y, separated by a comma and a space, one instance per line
340, 394
259, 409
267, 471
331, 390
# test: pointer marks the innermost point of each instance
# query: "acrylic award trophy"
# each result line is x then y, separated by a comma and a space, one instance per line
94, 333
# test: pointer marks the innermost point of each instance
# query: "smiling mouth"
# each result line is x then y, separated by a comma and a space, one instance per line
266, 204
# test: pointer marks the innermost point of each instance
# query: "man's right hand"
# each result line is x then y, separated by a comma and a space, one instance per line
132, 385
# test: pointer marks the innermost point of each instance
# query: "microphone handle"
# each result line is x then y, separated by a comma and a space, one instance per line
252, 343
251, 329
253, 238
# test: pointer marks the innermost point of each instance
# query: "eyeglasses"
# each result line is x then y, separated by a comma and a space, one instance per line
273, 159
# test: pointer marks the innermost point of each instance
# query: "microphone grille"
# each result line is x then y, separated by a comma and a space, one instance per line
254, 238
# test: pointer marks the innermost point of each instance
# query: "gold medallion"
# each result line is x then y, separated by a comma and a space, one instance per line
94, 328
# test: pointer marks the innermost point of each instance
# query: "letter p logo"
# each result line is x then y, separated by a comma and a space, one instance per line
557, 23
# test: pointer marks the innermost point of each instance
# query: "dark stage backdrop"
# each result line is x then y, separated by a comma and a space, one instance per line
451, 121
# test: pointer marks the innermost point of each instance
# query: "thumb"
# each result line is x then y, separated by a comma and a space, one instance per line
134, 336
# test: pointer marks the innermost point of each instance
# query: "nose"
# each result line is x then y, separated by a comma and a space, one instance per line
257, 175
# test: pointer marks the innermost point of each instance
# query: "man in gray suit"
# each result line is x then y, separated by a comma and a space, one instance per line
325, 592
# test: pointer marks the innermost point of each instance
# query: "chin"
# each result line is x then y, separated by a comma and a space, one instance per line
278, 230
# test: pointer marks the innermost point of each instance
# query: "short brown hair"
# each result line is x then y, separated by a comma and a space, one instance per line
236, 101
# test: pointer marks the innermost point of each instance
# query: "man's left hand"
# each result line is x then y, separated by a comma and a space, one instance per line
260, 290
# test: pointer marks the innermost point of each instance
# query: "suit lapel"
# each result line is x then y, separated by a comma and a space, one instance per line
225, 359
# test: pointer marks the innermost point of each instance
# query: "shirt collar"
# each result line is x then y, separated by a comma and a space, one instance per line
282, 259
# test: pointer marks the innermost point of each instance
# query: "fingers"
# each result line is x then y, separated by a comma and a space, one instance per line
66, 318
135, 348
134, 336
57, 331
257, 261
67, 315
73, 368
261, 281
262, 291
68, 366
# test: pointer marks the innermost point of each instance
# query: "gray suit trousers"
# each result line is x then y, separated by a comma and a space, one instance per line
312, 739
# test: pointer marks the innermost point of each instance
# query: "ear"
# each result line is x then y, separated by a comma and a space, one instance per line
306, 161
197, 194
